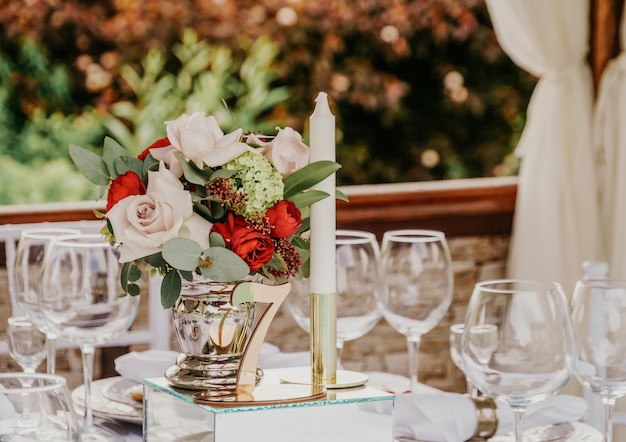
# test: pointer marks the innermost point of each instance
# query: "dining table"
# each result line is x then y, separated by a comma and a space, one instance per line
381, 410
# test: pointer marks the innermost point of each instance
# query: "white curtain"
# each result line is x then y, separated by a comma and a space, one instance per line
556, 224
610, 140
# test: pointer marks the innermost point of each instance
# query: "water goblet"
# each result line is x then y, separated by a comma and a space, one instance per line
456, 335
27, 272
27, 343
518, 343
361, 295
598, 309
418, 275
36, 406
81, 302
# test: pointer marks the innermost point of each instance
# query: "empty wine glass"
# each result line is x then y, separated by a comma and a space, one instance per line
27, 273
81, 301
36, 407
418, 275
599, 316
456, 336
361, 295
518, 343
27, 343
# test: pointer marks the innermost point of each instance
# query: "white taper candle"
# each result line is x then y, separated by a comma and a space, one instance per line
323, 213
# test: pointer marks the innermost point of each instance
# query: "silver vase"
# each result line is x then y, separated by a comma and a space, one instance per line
212, 334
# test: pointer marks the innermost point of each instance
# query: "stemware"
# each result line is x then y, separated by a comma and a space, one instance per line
599, 314
360, 292
36, 406
518, 344
418, 275
27, 272
456, 336
80, 301
27, 343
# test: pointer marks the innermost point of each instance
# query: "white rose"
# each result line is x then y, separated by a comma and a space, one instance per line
166, 154
143, 223
287, 152
201, 140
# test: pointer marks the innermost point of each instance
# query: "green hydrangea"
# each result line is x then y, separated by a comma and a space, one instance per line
258, 180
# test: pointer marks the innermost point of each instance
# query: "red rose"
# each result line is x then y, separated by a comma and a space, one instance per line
251, 245
161, 142
230, 226
284, 219
124, 185
255, 248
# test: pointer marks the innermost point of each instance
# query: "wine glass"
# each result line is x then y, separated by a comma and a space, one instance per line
361, 294
418, 275
36, 406
81, 301
599, 314
27, 272
27, 343
456, 335
518, 342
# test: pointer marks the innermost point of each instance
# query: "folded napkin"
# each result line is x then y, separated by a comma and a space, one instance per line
137, 366
435, 416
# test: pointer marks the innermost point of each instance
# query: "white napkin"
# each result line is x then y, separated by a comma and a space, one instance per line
436, 416
137, 366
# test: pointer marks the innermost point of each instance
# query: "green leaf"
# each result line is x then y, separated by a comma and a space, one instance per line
170, 289
308, 176
341, 196
192, 174
223, 173
90, 165
156, 260
305, 199
124, 275
216, 240
182, 253
127, 164
134, 290
220, 264
112, 152
187, 276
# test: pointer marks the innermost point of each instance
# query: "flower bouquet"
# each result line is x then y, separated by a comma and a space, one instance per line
203, 204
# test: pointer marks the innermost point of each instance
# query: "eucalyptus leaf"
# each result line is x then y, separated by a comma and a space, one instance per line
156, 260
308, 176
127, 164
187, 276
125, 271
149, 164
170, 289
216, 240
182, 253
192, 174
223, 173
133, 290
111, 153
90, 165
220, 264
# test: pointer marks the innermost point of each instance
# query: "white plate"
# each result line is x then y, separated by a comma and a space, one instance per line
120, 391
570, 432
567, 432
104, 407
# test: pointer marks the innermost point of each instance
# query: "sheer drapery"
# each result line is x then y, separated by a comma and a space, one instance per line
556, 224
610, 140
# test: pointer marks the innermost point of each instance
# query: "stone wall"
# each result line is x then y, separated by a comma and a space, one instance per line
382, 349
